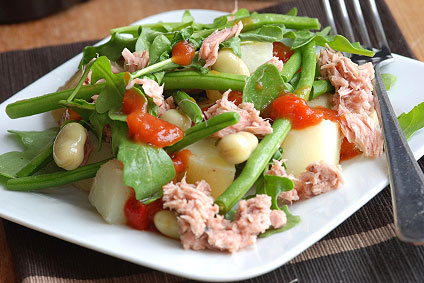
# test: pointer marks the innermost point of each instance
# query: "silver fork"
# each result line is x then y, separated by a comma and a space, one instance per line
406, 177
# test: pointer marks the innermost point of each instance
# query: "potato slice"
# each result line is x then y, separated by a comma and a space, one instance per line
206, 164
255, 53
109, 194
316, 143
321, 101
228, 62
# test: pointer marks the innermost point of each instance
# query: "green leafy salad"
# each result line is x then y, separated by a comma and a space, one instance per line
169, 126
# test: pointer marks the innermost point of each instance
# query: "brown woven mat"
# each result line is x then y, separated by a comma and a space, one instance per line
362, 249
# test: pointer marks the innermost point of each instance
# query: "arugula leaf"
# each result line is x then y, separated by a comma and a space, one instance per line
388, 80
99, 121
110, 98
119, 134
234, 44
274, 185
111, 49
303, 37
187, 17
263, 86
159, 49
145, 39
268, 33
81, 106
292, 221
146, 169
34, 144
412, 121
292, 12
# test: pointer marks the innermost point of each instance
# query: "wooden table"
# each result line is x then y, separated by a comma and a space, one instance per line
86, 22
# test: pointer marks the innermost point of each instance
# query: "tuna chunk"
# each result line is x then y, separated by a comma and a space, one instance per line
166, 105
201, 227
277, 63
250, 121
318, 178
210, 46
353, 100
135, 61
360, 129
151, 89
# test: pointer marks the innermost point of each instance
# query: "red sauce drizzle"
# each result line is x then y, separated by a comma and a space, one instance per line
71, 115
139, 215
348, 150
180, 160
283, 52
236, 97
145, 128
183, 53
296, 109
133, 102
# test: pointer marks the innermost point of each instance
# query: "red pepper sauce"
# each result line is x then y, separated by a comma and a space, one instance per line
348, 150
283, 52
180, 160
183, 53
236, 97
139, 215
145, 128
133, 102
296, 109
71, 115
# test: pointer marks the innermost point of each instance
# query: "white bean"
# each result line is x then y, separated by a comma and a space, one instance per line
166, 222
228, 62
68, 147
213, 95
236, 148
177, 118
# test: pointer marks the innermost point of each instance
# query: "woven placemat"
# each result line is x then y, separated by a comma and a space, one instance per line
362, 249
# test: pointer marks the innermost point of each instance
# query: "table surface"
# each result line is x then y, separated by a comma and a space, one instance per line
75, 24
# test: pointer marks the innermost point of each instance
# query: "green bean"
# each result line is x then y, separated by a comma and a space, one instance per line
307, 74
188, 105
320, 87
255, 166
48, 102
37, 162
205, 129
156, 26
292, 66
54, 179
295, 80
292, 22
197, 80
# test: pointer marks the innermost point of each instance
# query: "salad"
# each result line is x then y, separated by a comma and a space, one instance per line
165, 116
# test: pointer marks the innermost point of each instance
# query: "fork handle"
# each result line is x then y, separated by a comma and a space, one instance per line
406, 177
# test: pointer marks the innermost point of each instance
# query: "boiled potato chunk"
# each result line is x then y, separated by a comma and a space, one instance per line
228, 62
321, 101
206, 164
109, 194
255, 53
316, 143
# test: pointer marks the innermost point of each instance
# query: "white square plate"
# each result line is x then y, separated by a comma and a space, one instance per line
66, 213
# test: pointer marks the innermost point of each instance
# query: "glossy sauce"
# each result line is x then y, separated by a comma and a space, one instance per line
145, 128
180, 160
183, 53
296, 110
236, 97
71, 115
348, 150
133, 102
139, 215
283, 52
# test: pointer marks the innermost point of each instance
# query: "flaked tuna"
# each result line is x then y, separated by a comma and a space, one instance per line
361, 130
135, 61
166, 105
210, 46
277, 63
151, 88
201, 227
353, 100
318, 178
250, 121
